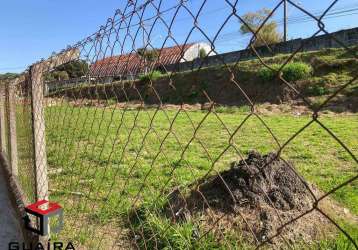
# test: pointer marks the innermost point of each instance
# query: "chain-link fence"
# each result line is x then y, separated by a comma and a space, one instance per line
148, 144
17, 133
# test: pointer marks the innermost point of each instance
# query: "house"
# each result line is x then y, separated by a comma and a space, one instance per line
129, 66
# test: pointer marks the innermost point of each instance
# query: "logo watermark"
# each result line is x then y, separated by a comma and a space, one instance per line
43, 210
39, 246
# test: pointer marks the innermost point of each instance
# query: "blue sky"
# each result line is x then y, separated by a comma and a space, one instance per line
31, 30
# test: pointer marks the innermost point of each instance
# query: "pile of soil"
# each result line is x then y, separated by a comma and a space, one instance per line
255, 196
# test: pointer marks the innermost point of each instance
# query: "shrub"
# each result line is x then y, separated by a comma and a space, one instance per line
317, 90
151, 76
291, 72
296, 71
267, 74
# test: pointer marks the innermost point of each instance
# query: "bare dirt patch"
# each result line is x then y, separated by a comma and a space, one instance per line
256, 196
295, 108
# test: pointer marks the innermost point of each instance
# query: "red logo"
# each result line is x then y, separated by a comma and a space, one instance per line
52, 209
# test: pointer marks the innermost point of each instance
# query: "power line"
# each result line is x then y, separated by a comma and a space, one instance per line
334, 13
306, 17
348, 10
232, 35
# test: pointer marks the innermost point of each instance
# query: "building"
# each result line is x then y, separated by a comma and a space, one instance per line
129, 66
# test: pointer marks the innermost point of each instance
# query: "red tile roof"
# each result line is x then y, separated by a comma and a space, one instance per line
134, 64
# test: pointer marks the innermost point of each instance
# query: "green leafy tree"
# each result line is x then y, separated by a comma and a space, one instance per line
7, 76
61, 75
75, 69
268, 34
202, 53
148, 56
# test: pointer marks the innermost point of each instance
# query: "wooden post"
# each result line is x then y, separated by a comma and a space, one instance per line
38, 122
2, 118
11, 98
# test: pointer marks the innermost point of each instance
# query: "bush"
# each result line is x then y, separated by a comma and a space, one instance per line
291, 72
267, 74
151, 76
296, 71
316, 90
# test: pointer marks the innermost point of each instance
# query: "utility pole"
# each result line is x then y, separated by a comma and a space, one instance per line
145, 44
285, 20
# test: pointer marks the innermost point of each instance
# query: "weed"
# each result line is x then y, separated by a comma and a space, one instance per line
151, 76
291, 72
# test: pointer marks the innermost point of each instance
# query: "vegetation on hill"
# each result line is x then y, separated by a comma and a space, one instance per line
7, 76
75, 69
290, 72
314, 75
151, 76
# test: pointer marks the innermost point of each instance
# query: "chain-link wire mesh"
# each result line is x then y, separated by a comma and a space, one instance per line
24, 138
4, 118
153, 144
17, 133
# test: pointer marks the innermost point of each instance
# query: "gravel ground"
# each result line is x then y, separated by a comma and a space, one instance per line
10, 230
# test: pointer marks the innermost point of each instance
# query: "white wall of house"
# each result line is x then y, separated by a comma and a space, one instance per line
194, 51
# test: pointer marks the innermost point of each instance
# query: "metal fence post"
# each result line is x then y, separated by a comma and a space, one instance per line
39, 132
2, 118
11, 99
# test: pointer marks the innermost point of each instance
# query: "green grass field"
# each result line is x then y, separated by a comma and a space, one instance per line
111, 159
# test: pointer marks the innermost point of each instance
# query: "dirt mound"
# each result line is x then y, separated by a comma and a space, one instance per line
255, 196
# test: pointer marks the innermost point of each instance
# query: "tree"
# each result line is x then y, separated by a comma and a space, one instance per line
7, 76
147, 56
61, 75
268, 33
202, 53
75, 69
